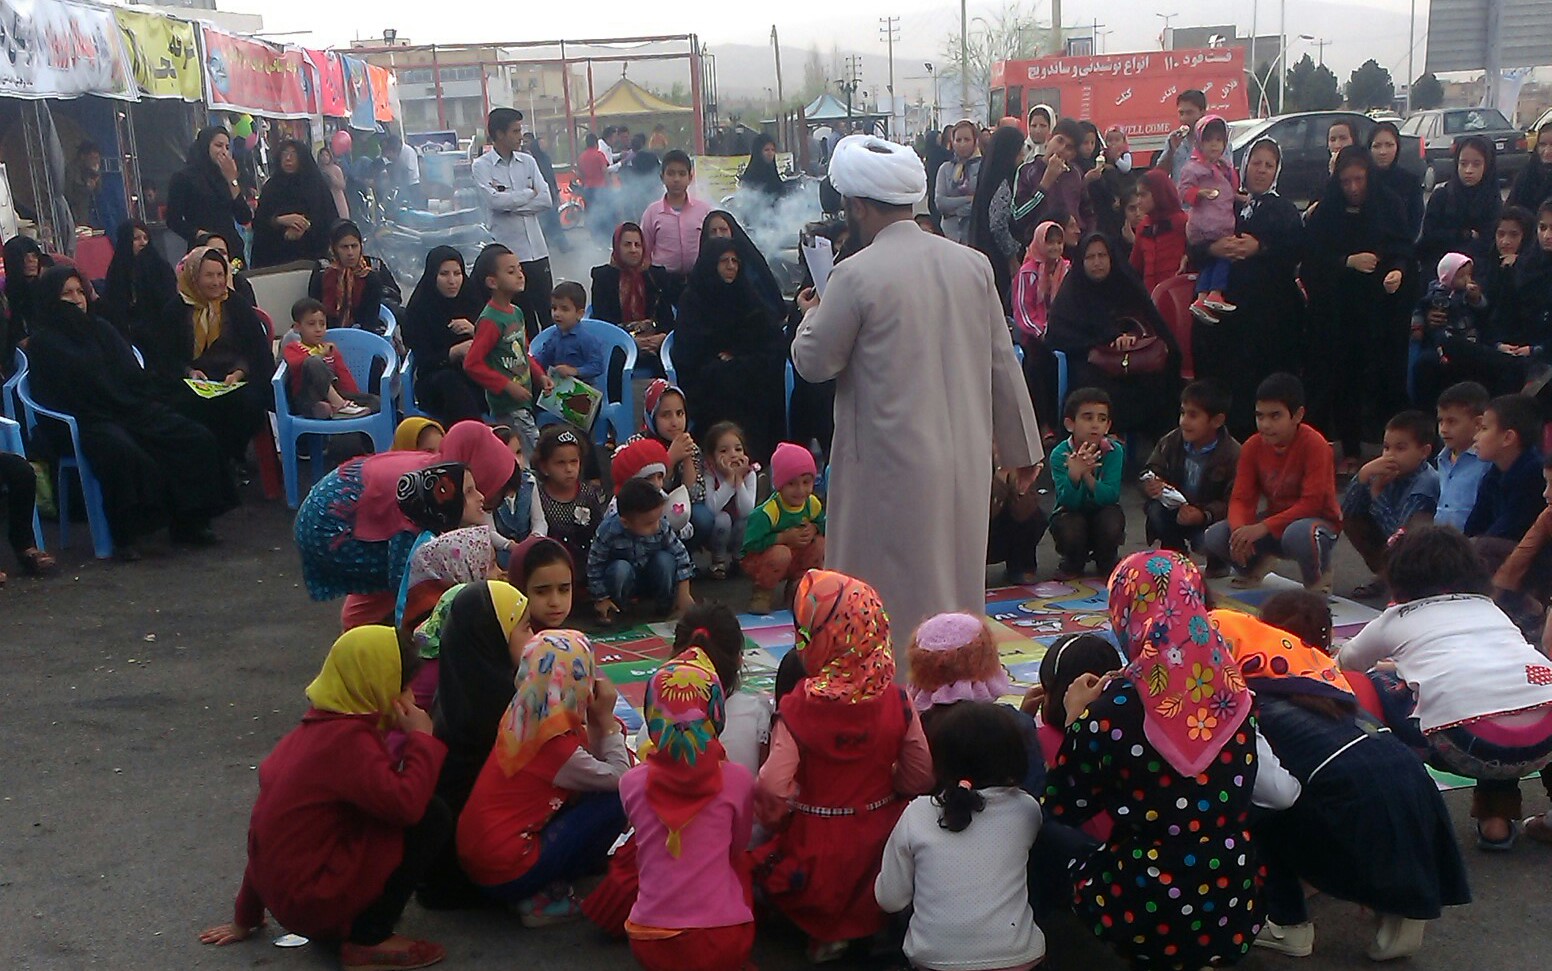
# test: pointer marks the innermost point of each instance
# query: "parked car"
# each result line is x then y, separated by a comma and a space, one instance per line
1441, 129
1306, 160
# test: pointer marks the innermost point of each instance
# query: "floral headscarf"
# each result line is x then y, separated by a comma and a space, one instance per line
455, 557
685, 713
1194, 696
432, 498
361, 675
842, 638
651, 400
554, 684
1276, 662
207, 312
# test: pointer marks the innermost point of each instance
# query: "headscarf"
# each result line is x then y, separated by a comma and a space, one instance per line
1265, 141
427, 314
760, 174
1474, 207
474, 674
488, 457
18, 288
1030, 148
953, 657
517, 573
1048, 278
869, 167
999, 168
1087, 313
1193, 694
457, 556
207, 312
1087, 162
432, 497
651, 400
342, 288
633, 279
303, 192
1449, 265
507, 602
1274, 661
409, 431
961, 174
685, 711
81, 365
1166, 203
554, 685
1379, 221
146, 278
201, 167
842, 638
755, 267
361, 676
719, 316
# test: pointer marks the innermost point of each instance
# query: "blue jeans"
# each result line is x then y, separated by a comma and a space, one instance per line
1214, 275
622, 583
1165, 530
704, 521
1308, 542
574, 844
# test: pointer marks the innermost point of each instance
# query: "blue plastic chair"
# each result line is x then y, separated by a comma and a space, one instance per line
617, 412
91, 489
359, 348
665, 354
1061, 378
8, 391
389, 321
407, 404
11, 441
791, 378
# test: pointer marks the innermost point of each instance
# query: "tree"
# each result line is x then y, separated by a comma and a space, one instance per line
1370, 86
1427, 92
1010, 34
815, 78
1312, 87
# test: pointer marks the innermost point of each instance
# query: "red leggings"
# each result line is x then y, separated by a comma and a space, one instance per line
701, 949
768, 568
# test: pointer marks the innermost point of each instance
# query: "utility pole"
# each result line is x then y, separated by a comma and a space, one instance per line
964, 56
1282, 54
1320, 44
1094, 34
1164, 34
776, 45
889, 27
1411, 53
849, 84
1056, 27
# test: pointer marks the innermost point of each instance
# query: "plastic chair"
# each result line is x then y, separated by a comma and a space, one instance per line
8, 392
91, 489
389, 321
616, 412
407, 405
791, 378
359, 349
1061, 378
11, 441
665, 354
1173, 298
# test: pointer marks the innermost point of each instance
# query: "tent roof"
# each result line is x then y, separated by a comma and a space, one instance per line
627, 99
827, 107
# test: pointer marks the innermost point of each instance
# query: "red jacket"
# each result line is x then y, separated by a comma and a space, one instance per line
1157, 258
1298, 482
328, 827
296, 354
592, 168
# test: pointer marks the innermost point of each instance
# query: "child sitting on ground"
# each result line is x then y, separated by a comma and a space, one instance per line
635, 554
565, 508
666, 421
418, 434
546, 807
1399, 490
1088, 521
1468, 692
1197, 460
318, 381
342, 832
731, 487
846, 747
693, 813
1459, 411
570, 353
1509, 498
714, 628
542, 569
1209, 187
1284, 500
498, 359
959, 857
785, 535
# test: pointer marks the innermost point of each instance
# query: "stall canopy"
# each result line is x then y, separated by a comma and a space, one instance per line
62, 50
627, 99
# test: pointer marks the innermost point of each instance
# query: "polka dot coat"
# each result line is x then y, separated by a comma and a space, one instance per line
1176, 885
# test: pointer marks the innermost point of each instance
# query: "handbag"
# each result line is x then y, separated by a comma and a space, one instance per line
1148, 356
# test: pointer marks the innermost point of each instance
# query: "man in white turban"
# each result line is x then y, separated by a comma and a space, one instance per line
927, 383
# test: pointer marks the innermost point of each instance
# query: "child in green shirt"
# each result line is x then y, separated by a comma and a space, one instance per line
498, 358
1088, 521
785, 535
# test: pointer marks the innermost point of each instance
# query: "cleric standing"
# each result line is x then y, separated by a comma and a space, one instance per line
912, 329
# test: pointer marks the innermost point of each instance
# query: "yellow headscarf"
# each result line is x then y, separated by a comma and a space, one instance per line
408, 432
207, 313
361, 675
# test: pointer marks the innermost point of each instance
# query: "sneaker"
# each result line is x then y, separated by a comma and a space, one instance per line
1253, 574
1498, 846
1202, 312
1220, 306
551, 907
1069, 570
760, 601
1294, 940
1396, 937
823, 952
1537, 828
418, 954
352, 410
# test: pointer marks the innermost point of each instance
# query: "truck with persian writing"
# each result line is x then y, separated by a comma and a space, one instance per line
1134, 91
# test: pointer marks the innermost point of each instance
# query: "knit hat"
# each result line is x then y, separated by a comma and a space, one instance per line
789, 462
1450, 265
643, 457
953, 658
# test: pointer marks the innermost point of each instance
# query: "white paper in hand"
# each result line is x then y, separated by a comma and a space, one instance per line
821, 259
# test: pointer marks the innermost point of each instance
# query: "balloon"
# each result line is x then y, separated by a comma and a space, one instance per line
252, 141
339, 143
243, 127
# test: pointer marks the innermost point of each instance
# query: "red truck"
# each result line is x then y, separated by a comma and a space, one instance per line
1136, 91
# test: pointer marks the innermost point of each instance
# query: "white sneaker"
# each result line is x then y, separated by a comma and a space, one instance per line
1294, 940
352, 410
1396, 937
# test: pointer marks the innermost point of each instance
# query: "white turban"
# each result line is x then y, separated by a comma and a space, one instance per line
868, 167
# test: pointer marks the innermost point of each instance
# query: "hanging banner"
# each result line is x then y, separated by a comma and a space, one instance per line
62, 50
358, 90
163, 55
252, 76
382, 102
329, 73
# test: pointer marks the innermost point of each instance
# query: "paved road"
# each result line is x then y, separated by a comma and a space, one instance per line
129, 762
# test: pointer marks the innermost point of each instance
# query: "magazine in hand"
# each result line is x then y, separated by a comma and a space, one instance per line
573, 401
212, 389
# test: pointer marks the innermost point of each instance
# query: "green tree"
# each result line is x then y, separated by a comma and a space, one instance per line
1312, 87
1010, 34
1427, 92
1370, 86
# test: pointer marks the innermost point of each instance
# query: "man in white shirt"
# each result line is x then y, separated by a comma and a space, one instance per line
404, 171
515, 197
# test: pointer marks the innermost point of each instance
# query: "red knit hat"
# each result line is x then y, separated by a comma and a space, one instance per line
645, 456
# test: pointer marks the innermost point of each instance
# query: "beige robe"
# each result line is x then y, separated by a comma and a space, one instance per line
912, 329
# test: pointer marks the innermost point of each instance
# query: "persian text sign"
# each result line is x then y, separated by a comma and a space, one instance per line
163, 54
62, 50
252, 76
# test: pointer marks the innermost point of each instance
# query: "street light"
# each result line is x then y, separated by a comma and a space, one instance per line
932, 73
1166, 17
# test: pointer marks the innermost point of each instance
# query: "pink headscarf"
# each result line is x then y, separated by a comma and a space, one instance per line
1450, 265
1037, 283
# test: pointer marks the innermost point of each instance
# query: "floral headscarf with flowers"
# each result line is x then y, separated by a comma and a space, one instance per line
685, 712
1194, 695
842, 638
554, 685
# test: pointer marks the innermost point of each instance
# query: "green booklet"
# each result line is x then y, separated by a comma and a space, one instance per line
573, 401
212, 389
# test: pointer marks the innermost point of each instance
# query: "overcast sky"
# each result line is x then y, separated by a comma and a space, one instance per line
1364, 29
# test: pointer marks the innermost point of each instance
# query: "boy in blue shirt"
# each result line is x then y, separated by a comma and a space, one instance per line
637, 555
1395, 491
569, 352
1088, 522
1461, 470
1509, 499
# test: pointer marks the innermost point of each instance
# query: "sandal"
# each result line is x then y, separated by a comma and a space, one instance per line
36, 563
1499, 846
419, 954
1538, 828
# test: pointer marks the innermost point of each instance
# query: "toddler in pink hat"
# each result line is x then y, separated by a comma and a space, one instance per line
785, 535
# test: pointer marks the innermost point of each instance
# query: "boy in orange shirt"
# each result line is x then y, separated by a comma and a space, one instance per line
1286, 468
